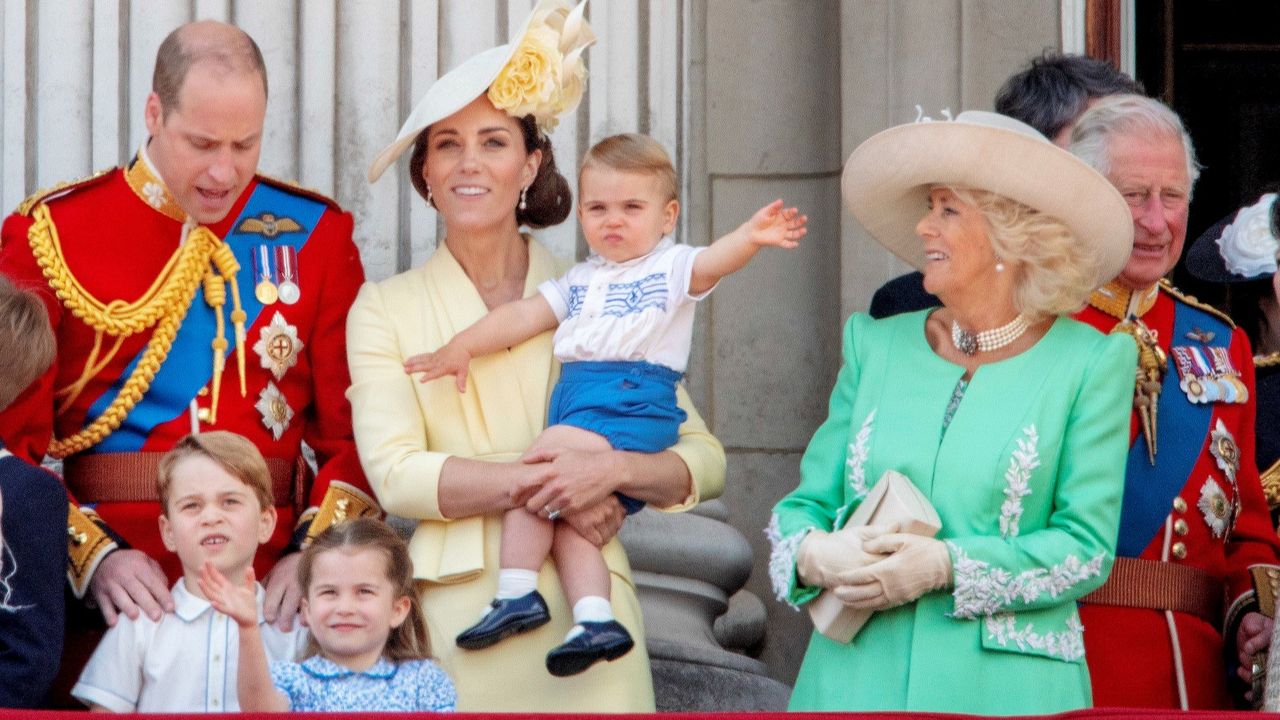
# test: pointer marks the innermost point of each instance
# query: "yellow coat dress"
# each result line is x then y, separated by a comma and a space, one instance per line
406, 430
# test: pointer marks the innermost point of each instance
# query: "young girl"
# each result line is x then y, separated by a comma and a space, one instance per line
368, 648
624, 325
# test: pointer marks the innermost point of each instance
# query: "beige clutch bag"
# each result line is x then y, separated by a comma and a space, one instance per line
894, 499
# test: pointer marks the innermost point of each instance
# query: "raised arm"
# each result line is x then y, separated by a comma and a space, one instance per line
503, 327
771, 225
253, 680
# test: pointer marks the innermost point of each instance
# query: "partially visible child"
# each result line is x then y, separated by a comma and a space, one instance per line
215, 496
369, 649
624, 326
33, 521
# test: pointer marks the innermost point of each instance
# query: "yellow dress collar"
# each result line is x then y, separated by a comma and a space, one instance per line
150, 188
1117, 300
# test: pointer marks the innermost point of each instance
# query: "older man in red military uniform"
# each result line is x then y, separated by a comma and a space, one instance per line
1194, 527
188, 293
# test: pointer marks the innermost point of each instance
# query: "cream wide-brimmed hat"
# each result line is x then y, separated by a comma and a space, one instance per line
541, 72
887, 179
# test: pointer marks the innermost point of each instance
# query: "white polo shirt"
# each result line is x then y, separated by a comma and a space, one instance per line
636, 310
185, 663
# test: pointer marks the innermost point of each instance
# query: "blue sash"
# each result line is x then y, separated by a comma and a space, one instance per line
189, 365
1181, 428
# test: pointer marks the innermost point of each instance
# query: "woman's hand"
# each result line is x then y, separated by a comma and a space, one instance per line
915, 565
575, 480
825, 558
451, 359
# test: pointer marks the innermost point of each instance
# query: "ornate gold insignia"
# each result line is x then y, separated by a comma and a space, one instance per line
278, 346
274, 409
342, 502
268, 225
1225, 451
1115, 299
148, 186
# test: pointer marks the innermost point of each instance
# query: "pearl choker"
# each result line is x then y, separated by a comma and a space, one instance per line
987, 340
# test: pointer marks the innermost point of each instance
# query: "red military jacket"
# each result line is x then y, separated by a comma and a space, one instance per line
120, 275
1212, 522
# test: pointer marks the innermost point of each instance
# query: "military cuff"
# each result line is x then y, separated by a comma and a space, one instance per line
88, 542
342, 502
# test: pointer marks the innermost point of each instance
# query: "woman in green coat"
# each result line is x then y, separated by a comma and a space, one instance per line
1009, 417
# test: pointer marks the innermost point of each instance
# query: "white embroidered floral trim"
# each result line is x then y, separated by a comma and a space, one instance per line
782, 559
1066, 645
856, 472
155, 194
1214, 507
1025, 459
984, 590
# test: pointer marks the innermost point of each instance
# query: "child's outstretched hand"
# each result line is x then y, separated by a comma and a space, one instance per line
238, 603
448, 360
777, 226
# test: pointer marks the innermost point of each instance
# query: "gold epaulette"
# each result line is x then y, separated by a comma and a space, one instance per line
296, 189
1267, 360
341, 502
87, 544
39, 196
1193, 302
1271, 484
1266, 583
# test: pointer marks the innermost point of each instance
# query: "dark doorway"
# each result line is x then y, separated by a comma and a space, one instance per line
1217, 63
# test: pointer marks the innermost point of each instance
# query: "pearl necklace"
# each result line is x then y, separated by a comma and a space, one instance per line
987, 340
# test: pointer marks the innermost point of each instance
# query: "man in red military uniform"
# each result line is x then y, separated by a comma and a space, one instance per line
1194, 527
188, 293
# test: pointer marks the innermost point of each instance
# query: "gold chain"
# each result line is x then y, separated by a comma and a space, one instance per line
164, 305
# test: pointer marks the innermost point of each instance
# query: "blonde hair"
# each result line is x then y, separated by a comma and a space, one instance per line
1054, 271
409, 641
232, 452
634, 153
27, 338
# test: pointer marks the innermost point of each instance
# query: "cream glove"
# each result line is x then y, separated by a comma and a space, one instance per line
825, 558
915, 565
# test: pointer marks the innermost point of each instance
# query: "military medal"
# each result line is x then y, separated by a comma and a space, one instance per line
287, 257
1225, 451
1215, 507
1195, 375
264, 290
278, 346
274, 409
1228, 374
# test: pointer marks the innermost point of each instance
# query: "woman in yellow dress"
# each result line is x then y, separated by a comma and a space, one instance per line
453, 462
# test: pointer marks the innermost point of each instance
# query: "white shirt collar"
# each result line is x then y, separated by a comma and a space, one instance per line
189, 607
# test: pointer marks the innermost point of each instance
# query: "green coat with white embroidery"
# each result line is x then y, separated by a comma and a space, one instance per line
1027, 480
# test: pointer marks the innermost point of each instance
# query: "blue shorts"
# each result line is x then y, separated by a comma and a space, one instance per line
631, 404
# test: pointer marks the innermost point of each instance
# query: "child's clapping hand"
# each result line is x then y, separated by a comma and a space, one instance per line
238, 603
451, 359
777, 226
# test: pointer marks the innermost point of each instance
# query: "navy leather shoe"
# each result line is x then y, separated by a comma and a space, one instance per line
508, 617
598, 641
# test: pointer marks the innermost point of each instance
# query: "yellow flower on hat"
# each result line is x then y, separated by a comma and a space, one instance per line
546, 75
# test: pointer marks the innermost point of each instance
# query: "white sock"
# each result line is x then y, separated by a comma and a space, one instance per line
591, 608
513, 583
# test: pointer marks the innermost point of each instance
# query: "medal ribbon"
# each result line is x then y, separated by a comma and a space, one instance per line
1149, 489
187, 367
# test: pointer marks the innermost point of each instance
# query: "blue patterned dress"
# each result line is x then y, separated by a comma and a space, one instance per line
318, 684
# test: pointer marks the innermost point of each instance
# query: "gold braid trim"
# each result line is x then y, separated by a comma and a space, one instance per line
1271, 484
175, 283
1192, 301
1267, 360
165, 304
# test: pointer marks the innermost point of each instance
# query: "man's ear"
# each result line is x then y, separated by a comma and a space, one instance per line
153, 114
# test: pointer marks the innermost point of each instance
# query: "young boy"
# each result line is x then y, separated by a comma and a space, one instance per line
625, 325
215, 495
33, 521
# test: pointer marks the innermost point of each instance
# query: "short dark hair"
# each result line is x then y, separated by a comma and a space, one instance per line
27, 338
227, 46
1056, 88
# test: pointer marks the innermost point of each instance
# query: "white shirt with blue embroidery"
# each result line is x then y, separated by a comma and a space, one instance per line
640, 309
187, 662
319, 684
